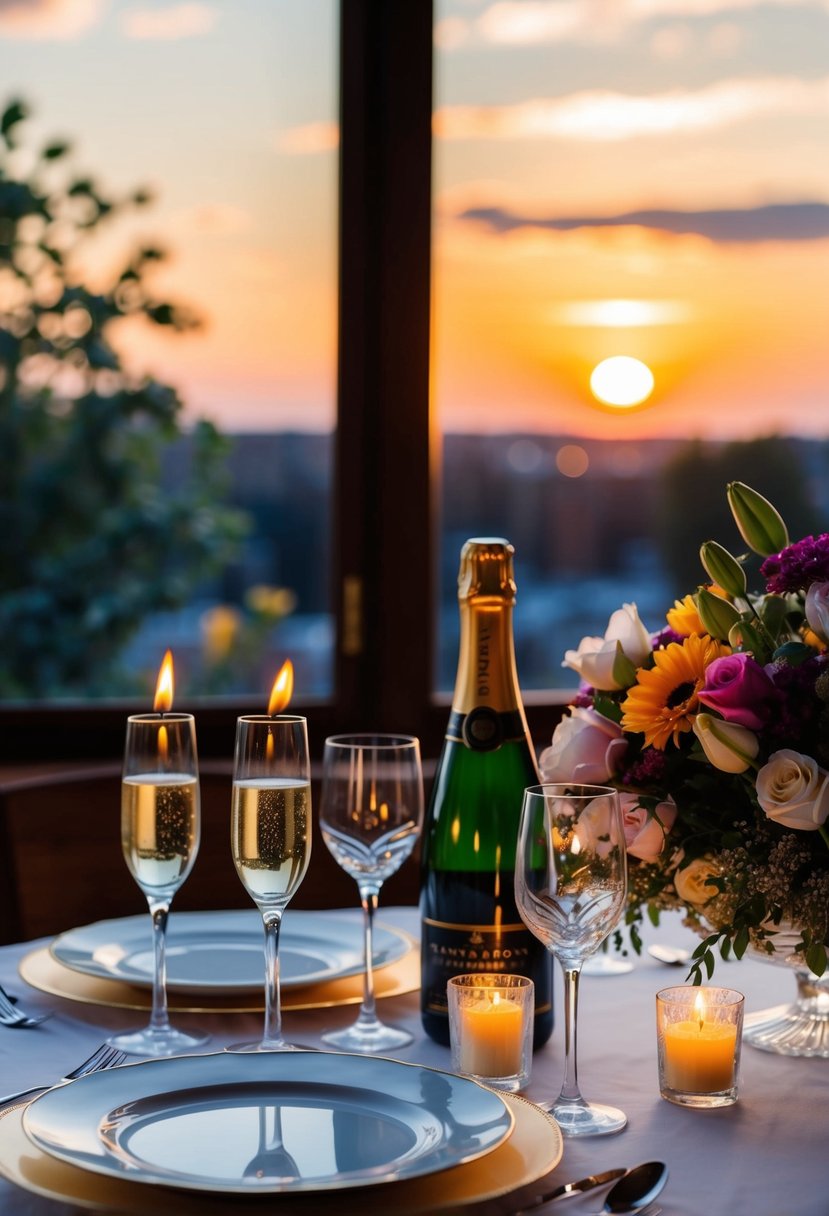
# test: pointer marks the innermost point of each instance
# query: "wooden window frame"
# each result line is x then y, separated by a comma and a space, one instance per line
384, 508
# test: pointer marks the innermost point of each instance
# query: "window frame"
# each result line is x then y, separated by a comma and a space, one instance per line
385, 499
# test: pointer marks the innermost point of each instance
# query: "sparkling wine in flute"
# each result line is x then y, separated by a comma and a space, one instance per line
160, 829
159, 816
270, 829
270, 836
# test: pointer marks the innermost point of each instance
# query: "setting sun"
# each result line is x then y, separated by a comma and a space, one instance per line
621, 381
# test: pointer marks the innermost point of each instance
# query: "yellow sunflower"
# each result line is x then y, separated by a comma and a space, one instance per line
684, 618
663, 701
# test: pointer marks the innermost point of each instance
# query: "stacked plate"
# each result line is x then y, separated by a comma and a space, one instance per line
215, 961
338, 1133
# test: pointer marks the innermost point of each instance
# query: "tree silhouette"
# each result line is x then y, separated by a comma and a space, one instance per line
90, 543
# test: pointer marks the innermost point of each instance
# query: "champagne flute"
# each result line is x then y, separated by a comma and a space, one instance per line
270, 836
570, 887
160, 827
371, 812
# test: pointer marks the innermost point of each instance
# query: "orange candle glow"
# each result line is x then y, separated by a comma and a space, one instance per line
490, 1037
700, 1052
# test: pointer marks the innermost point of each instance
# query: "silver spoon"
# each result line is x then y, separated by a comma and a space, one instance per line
636, 1189
671, 956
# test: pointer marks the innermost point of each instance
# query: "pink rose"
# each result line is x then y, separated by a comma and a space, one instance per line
586, 746
737, 687
645, 834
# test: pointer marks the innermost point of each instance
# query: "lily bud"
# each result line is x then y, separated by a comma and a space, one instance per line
718, 616
743, 636
760, 524
729, 747
723, 569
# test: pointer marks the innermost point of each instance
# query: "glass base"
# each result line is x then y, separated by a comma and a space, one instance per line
266, 1045
681, 1097
158, 1043
368, 1038
585, 1118
800, 1029
602, 964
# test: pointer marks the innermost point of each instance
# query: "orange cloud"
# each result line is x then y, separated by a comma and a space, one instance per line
49, 19
189, 20
312, 138
602, 115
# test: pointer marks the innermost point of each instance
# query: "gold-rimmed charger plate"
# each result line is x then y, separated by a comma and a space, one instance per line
534, 1148
40, 969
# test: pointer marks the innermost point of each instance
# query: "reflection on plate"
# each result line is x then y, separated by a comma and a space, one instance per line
282, 1121
534, 1148
211, 952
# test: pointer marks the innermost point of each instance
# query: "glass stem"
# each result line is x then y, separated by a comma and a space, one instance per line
369, 898
570, 1085
159, 1018
272, 1036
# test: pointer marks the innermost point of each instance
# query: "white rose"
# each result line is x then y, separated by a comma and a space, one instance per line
691, 881
727, 745
817, 609
598, 828
625, 627
793, 790
597, 660
586, 747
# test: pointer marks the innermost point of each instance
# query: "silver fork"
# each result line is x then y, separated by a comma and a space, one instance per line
103, 1057
10, 1015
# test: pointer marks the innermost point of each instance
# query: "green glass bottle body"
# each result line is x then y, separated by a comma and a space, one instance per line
469, 921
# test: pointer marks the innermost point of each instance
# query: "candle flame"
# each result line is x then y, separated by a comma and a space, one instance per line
166, 685
699, 1009
283, 687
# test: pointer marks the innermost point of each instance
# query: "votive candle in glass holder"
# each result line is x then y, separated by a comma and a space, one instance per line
698, 1036
490, 1028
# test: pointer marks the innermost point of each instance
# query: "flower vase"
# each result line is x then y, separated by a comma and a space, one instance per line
799, 1029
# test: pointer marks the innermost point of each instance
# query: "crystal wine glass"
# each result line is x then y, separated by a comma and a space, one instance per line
570, 886
160, 828
270, 836
371, 813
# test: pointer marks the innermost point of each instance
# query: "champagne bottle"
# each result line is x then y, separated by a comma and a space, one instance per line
469, 920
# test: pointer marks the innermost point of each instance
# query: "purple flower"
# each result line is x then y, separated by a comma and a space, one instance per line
648, 770
665, 637
797, 566
737, 687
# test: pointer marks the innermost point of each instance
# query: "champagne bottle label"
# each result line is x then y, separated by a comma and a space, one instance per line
451, 949
484, 729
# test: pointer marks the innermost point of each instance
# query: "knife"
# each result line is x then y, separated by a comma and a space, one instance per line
572, 1188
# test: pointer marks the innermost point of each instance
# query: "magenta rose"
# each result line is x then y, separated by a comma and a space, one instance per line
737, 687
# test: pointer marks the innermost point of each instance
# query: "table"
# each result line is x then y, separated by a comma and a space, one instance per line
766, 1156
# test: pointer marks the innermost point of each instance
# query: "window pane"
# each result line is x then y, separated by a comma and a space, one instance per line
226, 114
644, 181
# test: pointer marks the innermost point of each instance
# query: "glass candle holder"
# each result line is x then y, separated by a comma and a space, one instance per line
490, 1028
698, 1035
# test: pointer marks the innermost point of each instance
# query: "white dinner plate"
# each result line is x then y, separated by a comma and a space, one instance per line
222, 952
276, 1121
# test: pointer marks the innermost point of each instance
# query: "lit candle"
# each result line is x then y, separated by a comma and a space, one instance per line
700, 1052
491, 1033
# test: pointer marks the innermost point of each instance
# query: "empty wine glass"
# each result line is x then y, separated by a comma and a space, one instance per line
160, 827
570, 887
271, 836
371, 811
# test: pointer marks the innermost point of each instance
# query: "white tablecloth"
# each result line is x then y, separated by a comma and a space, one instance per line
766, 1156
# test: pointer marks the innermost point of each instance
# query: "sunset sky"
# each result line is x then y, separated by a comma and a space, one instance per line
636, 177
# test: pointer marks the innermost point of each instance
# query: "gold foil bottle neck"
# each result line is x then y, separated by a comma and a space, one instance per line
486, 569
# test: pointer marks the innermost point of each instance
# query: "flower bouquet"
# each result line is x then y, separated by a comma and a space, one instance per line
716, 733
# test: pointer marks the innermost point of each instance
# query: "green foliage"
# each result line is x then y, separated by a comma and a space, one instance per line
90, 542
